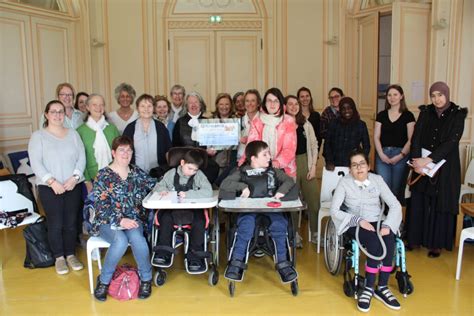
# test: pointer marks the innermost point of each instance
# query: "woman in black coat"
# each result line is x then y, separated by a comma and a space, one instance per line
434, 204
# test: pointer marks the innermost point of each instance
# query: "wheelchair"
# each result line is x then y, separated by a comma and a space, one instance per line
342, 248
181, 231
261, 244
181, 238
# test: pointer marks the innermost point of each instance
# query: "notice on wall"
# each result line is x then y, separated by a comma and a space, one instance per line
417, 92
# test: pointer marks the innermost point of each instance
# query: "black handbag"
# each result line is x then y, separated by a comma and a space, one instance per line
38, 252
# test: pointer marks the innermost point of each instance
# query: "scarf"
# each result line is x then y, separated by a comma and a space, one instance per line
194, 123
102, 152
269, 135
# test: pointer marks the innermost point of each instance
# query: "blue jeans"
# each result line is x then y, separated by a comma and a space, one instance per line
119, 240
246, 228
392, 174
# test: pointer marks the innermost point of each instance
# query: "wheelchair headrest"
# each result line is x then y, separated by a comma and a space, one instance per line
175, 154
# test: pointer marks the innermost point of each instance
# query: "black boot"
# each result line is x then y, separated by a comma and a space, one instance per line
101, 290
145, 289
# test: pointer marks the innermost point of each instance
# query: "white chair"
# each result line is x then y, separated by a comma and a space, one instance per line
329, 182
94, 243
467, 233
468, 179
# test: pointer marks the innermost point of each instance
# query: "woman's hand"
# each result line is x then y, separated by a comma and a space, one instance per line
244, 139
88, 186
275, 164
385, 158
128, 223
70, 184
366, 225
385, 231
419, 171
245, 193
57, 187
311, 174
395, 159
421, 162
278, 195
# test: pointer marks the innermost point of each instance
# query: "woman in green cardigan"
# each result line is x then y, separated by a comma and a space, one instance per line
97, 135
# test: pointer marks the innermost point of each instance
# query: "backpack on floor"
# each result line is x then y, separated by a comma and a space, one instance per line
38, 252
125, 283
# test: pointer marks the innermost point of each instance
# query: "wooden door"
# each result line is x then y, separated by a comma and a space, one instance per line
367, 71
239, 61
410, 51
192, 62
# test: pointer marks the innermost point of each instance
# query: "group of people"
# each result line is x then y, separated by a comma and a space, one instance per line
112, 154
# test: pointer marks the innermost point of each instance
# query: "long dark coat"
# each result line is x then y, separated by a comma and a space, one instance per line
440, 136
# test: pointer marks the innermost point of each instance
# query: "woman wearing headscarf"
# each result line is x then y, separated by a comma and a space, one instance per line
431, 218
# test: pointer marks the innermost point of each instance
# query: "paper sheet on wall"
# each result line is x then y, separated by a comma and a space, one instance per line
417, 92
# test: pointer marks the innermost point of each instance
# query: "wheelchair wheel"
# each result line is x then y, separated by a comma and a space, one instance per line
405, 286
231, 288
213, 277
159, 278
294, 288
349, 288
333, 250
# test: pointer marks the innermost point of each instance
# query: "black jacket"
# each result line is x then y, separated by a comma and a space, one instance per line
162, 138
441, 136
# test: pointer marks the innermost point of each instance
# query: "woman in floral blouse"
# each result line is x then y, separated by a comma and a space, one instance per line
119, 217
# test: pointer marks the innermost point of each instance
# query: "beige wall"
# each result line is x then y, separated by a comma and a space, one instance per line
105, 42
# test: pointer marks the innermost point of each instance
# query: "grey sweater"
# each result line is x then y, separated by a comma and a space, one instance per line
201, 186
364, 203
51, 156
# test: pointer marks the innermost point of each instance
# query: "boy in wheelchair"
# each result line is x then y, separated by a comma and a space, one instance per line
257, 179
359, 194
188, 182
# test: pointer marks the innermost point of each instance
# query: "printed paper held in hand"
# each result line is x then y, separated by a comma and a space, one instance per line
431, 168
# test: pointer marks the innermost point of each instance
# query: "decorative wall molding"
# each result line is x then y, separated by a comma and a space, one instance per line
225, 25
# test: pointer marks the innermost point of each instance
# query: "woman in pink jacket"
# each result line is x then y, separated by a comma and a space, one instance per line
278, 130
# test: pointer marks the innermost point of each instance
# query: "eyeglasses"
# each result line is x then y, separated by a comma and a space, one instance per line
334, 97
66, 95
361, 164
124, 150
61, 112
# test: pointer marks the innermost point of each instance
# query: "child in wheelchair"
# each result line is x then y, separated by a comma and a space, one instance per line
188, 182
257, 179
356, 202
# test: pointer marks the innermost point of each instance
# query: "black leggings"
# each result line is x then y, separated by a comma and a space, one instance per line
370, 241
61, 214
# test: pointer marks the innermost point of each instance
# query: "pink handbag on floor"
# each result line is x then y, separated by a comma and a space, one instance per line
125, 283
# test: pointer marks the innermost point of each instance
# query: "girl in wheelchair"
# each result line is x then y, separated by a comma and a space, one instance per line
356, 202
256, 178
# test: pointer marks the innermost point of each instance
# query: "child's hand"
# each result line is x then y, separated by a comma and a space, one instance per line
163, 193
384, 231
278, 195
182, 194
245, 193
366, 225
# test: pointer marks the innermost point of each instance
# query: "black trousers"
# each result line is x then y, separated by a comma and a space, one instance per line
196, 235
61, 213
370, 241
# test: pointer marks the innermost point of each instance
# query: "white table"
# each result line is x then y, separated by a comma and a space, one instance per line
153, 201
253, 205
